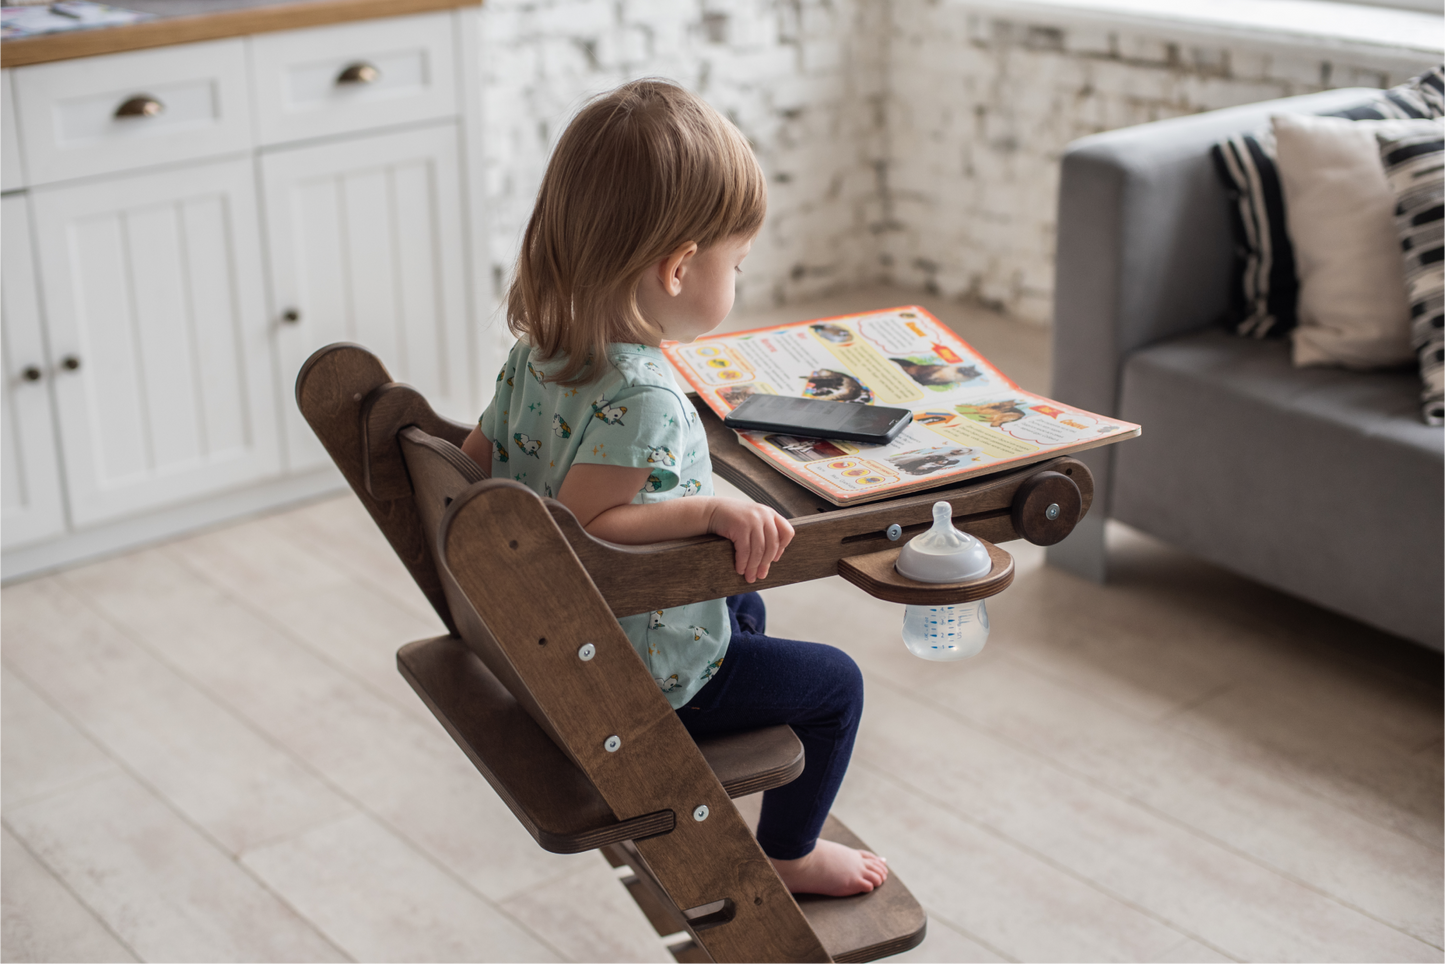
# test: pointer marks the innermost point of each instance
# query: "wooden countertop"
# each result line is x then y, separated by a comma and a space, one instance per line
186, 21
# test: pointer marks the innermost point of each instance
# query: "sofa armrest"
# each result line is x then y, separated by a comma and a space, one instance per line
1145, 249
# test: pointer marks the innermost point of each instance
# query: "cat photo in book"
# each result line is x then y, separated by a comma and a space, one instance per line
931, 374
836, 386
930, 460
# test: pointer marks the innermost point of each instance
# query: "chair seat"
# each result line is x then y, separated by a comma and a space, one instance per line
548, 793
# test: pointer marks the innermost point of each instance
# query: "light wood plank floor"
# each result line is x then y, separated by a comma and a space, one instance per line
208, 755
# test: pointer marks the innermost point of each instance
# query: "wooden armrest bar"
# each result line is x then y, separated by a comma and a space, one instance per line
634, 579
359, 414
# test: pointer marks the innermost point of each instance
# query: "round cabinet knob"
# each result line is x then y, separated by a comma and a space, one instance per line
1046, 508
359, 73
291, 316
70, 363
141, 105
30, 373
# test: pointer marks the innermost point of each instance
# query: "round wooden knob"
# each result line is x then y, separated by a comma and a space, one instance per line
30, 373
70, 363
291, 316
1047, 507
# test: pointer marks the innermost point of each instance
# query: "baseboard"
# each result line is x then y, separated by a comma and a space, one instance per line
153, 527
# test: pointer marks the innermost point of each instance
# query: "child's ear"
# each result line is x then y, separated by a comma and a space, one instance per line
674, 266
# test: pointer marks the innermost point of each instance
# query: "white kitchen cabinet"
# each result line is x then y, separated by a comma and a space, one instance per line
259, 197
365, 243
153, 296
32, 505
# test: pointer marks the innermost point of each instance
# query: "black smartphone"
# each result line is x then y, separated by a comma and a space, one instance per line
819, 418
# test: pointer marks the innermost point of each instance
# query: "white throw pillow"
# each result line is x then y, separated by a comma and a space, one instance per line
1353, 308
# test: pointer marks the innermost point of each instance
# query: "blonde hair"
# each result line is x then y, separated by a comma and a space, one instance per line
640, 172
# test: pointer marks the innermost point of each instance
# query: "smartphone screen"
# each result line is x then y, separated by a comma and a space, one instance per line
819, 418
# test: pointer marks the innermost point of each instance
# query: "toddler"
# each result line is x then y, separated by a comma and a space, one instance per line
648, 207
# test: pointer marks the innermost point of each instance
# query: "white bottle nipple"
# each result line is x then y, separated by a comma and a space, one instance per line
943, 554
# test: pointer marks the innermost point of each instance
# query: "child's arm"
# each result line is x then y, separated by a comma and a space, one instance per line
600, 496
477, 446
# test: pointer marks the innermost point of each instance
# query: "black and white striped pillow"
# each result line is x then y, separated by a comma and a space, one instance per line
1264, 298
1414, 163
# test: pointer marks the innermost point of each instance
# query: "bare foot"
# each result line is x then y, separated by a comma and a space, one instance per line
833, 870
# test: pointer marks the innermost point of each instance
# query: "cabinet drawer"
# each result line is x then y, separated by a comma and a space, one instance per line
337, 79
98, 115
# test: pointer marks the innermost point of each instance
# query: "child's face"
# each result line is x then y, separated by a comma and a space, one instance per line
691, 292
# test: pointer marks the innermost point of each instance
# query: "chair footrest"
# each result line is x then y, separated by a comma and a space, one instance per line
864, 927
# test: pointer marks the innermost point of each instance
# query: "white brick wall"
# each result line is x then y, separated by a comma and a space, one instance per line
913, 141
803, 79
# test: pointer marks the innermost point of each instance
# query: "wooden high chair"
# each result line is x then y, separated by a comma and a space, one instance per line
542, 690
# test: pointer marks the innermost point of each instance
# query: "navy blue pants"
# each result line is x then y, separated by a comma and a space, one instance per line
763, 681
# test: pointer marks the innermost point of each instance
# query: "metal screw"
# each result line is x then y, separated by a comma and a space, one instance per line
613, 744
894, 532
1052, 512
586, 652
700, 814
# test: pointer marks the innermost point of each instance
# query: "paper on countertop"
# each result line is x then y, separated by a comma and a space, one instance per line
30, 21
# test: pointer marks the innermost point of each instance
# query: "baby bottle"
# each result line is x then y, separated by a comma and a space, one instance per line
943, 554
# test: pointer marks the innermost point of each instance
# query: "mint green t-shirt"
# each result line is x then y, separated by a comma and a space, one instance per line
633, 415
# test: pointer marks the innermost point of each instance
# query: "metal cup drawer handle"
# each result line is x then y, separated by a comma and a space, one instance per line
141, 105
359, 73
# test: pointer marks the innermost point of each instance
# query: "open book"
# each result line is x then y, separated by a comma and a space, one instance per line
968, 418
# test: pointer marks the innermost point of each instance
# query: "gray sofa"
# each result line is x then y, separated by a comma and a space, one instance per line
1318, 481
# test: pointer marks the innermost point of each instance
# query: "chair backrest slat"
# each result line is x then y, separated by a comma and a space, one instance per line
439, 474
330, 391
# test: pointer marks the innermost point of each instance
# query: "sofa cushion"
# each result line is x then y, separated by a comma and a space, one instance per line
1412, 164
1318, 481
1264, 293
1353, 309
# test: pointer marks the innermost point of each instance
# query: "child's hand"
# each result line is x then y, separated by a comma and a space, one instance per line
759, 535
